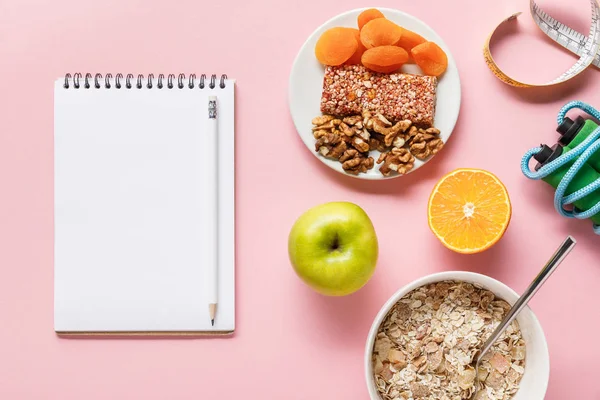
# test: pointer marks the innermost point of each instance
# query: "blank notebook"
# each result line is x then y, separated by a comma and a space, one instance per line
135, 228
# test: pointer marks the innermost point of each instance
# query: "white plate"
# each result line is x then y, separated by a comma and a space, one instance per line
306, 83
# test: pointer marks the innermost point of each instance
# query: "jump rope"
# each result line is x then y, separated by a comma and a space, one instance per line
571, 166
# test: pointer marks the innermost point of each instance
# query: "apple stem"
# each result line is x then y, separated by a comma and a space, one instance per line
336, 243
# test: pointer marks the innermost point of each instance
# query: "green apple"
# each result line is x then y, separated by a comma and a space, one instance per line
333, 248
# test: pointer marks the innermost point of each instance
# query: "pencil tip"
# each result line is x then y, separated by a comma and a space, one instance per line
212, 322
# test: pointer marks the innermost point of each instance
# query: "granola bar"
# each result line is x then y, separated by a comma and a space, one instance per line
350, 89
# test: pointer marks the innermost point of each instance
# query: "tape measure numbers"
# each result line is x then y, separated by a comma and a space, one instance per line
586, 47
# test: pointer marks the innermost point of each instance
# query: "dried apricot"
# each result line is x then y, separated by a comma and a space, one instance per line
335, 46
368, 15
355, 58
430, 58
380, 32
410, 39
384, 59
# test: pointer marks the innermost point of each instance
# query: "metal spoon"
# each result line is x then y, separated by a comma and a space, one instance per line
520, 304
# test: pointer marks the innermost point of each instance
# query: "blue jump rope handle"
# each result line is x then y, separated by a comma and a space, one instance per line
581, 153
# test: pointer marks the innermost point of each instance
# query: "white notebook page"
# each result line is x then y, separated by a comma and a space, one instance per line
130, 221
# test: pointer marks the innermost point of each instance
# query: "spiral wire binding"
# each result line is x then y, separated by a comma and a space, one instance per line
90, 81
581, 153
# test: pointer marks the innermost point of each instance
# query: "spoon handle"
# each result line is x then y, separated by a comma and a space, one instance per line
539, 280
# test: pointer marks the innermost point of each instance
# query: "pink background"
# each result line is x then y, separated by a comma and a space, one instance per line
291, 343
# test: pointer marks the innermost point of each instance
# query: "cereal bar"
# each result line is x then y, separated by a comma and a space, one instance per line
350, 89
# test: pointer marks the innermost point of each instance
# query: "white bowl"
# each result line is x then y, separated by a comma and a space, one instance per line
537, 360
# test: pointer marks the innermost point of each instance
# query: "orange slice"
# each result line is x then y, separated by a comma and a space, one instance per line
469, 210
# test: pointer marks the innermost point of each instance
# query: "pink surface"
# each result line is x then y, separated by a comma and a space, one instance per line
291, 343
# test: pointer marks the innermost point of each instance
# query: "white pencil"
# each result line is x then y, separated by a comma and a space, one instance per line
213, 182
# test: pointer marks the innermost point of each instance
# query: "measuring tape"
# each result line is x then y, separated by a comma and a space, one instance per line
586, 47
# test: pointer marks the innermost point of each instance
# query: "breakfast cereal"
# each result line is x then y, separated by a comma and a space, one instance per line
426, 345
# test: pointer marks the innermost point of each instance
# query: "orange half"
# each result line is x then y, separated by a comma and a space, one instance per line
469, 210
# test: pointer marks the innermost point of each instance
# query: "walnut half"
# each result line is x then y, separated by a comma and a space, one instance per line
391, 132
377, 142
331, 145
398, 160
354, 162
426, 143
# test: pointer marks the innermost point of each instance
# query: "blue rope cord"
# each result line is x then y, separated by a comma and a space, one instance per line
580, 154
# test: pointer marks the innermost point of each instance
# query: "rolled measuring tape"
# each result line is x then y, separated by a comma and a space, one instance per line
586, 47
